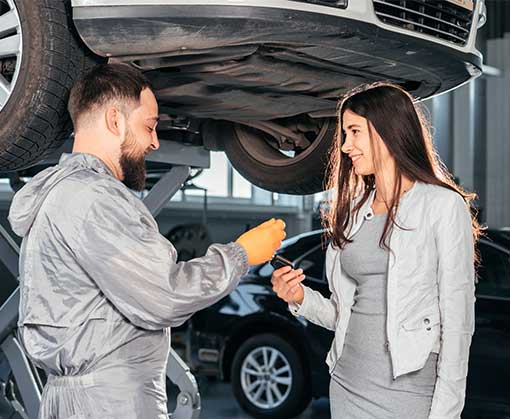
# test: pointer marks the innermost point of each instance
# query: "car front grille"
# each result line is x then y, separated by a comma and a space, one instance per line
446, 20
339, 4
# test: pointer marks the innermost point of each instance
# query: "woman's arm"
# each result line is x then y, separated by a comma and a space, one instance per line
315, 307
454, 240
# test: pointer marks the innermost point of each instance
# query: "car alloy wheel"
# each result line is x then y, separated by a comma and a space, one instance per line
266, 377
11, 47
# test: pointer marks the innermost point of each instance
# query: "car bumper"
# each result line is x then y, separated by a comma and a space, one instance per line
353, 40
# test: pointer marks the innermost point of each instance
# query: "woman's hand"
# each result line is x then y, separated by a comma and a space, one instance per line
287, 284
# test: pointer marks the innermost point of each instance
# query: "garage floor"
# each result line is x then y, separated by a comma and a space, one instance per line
218, 402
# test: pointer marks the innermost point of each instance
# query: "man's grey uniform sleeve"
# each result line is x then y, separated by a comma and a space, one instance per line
135, 267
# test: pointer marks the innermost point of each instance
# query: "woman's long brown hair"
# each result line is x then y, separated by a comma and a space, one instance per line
402, 126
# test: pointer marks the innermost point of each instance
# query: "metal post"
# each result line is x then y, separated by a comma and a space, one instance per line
165, 188
26, 376
188, 400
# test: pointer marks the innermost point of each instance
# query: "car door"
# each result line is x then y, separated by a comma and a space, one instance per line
489, 365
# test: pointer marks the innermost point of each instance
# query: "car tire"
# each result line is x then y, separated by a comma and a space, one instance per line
37, 80
293, 394
256, 158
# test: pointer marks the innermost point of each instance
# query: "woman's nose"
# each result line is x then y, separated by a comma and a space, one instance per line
346, 147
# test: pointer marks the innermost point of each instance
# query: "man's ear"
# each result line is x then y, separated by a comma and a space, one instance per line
114, 120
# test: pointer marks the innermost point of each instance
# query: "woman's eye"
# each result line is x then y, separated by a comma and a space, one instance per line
150, 129
355, 131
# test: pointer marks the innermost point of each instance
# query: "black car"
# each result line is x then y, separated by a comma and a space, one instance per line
276, 362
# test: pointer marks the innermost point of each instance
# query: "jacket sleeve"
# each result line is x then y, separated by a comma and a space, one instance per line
456, 281
122, 251
315, 307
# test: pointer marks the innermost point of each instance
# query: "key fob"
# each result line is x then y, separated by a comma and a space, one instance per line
279, 261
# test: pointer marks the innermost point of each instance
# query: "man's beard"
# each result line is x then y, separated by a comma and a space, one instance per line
132, 165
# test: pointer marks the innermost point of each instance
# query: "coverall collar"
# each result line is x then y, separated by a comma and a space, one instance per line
85, 159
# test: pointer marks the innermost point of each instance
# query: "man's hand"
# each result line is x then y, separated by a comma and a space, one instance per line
262, 241
287, 284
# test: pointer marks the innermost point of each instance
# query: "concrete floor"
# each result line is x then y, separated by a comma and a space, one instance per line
218, 402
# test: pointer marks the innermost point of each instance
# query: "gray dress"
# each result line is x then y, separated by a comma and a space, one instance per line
362, 384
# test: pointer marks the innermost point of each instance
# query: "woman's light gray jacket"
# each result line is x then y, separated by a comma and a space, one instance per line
430, 295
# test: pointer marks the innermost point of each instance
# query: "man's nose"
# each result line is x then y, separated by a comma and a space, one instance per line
155, 141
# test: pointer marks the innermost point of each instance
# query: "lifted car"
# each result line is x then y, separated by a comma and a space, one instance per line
259, 79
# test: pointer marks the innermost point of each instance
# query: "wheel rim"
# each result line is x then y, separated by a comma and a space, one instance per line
11, 47
263, 151
266, 377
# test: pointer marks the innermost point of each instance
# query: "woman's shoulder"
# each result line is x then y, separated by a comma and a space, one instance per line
438, 193
443, 201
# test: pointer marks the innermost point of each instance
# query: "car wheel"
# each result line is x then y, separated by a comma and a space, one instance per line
268, 378
286, 157
40, 58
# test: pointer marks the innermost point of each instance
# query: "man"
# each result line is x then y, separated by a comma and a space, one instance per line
100, 286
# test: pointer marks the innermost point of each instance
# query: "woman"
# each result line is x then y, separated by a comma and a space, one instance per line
400, 266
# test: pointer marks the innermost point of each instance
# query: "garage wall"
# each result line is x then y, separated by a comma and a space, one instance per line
226, 218
498, 133
471, 130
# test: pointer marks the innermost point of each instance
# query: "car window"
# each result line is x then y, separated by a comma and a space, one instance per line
293, 253
312, 263
494, 272
301, 247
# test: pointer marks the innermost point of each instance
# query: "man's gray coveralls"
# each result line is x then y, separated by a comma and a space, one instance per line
100, 288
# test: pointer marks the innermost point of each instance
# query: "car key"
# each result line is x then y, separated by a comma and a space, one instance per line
279, 261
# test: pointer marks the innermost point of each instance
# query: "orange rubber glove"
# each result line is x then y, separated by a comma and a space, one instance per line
262, 241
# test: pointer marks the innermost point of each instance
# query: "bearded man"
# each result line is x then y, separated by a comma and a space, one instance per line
99, 285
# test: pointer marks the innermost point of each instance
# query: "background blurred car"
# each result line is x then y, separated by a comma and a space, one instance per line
276, 362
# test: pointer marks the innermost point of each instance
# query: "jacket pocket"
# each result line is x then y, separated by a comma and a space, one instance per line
425, 321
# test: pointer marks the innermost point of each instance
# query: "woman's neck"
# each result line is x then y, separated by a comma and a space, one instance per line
384, 190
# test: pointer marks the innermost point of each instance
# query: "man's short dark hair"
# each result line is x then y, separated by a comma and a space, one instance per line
106, 83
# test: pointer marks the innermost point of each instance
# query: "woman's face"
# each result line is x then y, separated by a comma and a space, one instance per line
357, 144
